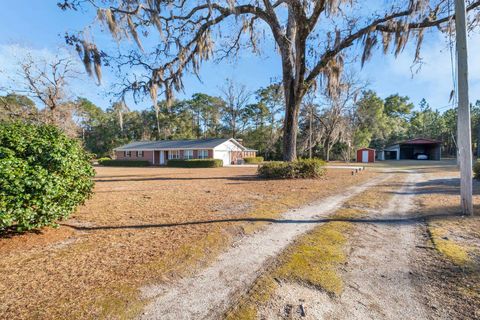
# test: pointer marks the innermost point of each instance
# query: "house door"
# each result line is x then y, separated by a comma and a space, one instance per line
364, 156
156, 157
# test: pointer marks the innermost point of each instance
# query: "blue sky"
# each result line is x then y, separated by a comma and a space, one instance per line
38, 27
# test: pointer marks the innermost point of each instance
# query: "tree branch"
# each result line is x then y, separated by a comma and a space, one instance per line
376, 25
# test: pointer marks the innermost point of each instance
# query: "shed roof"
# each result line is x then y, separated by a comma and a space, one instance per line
413, 141
366, 149
178, 144
420, 141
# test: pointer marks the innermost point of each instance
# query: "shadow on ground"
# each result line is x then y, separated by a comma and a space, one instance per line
236, 178
387, 220
447, 186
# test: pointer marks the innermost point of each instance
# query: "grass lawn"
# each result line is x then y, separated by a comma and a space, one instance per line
142, 226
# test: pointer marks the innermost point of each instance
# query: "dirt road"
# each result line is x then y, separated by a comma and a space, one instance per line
380, 275
208, 293
377, 277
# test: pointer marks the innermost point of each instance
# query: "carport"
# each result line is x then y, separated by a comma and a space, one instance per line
410, 149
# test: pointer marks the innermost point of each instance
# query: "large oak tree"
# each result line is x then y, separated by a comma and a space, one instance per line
311, 38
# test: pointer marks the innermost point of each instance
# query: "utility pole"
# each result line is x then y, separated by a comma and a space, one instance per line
464, 125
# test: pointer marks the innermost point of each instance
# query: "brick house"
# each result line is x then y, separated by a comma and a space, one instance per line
159, 152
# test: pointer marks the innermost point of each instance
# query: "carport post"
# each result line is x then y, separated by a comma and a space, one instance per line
464, 132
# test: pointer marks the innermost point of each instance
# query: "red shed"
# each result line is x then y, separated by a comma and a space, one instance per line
366, 155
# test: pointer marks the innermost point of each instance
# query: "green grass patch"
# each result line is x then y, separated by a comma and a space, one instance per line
122, 303
260, 292
251, 160
448, 248
314, 259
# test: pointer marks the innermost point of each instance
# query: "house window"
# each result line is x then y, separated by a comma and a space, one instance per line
202, 154
174, 154
128, 154
139, 154
188, 154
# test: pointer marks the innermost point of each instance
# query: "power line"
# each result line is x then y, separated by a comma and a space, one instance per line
452, 60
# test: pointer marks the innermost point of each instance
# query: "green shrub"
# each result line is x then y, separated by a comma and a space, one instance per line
195, 163
476, 170
44, 176
300, 169
124, 163
253, 159
100, 161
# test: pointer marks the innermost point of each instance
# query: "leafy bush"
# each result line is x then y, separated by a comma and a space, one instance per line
44, 176
195, 163
253, 159
103, 159
300, 169
476, 170
124, 163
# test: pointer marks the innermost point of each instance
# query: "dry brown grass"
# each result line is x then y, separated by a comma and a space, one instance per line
125, 237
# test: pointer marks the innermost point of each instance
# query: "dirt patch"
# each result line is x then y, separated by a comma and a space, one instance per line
142, 226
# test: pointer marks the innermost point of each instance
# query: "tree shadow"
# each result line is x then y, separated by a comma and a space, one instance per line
389, 220
235, 178
10, 233
447, 186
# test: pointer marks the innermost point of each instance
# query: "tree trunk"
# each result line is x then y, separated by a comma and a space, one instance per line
290, 127
290, 130
326, 148
293, 72
158, 125
199, 130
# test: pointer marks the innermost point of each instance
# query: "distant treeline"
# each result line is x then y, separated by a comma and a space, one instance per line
329, 128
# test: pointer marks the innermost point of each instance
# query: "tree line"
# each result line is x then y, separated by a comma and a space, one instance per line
329, 128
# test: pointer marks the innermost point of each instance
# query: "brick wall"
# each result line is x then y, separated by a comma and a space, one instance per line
147, 155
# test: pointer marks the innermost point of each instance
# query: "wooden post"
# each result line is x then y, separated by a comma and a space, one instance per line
464, 125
